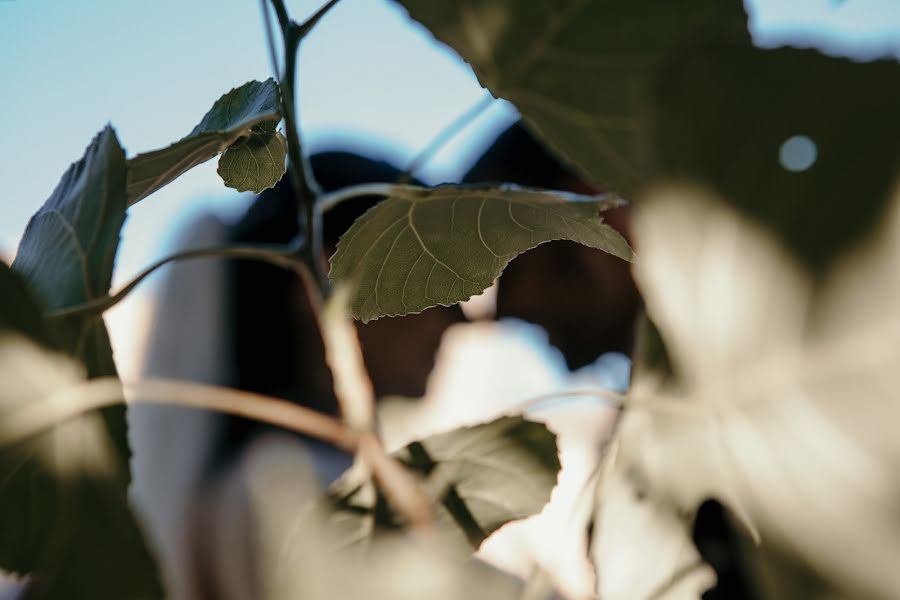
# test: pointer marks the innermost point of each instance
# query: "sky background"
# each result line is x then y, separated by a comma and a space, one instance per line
369, 78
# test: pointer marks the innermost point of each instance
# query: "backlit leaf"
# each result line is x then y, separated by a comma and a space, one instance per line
423, 247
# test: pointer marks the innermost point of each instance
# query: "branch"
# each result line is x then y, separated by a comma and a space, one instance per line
280, 256
100, 393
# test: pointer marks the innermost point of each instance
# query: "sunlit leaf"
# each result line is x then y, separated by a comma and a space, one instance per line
477, 478
784, 398
64, 515
230, 119
580, 71
427, 246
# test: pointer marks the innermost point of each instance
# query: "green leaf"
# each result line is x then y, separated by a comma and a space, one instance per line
423, 247
255, 163
579, 71
230, 119
477, 478
724, 113
60, 519
67, 253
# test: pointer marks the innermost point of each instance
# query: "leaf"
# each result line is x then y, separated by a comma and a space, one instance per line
64, 514
784, 400
630, 525
291, 553
255, 163
231, 118
62, 521
423, 247
67, 253
579, 71
725, 113
478, 479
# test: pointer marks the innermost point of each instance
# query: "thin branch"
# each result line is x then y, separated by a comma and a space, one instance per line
304, 28
299, 171
282, 256
444, 136
330, 200
104, 392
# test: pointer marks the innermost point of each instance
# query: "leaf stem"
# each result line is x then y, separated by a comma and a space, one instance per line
282, 256
444, 136
332, 199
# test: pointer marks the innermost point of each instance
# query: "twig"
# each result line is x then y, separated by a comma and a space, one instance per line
444, 136
104, 392
283, 256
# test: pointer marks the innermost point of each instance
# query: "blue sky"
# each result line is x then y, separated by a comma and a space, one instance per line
368, 76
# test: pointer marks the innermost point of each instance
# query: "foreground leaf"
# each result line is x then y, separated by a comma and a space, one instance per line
64, 514
784, 395
423, 247
477, 478
725, 117
579, 71
230, 119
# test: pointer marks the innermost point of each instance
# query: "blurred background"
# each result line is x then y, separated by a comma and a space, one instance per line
371, 81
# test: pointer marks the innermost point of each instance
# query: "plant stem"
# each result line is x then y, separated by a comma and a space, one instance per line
103, 392
444, 136
300, 173
282, 256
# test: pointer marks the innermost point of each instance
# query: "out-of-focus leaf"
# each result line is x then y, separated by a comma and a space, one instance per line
232, 118
423, 247
784, 403
295, 555
256, 162
580, 71
728, 117
64, 515
642, 544
477, 478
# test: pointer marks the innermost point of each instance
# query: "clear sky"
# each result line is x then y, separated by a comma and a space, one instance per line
368, 76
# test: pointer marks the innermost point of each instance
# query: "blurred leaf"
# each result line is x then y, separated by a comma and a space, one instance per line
579, 71
642, 544
230, 119
256, 162
726, 117
478, 479
423, 247
784, 404
64, 515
